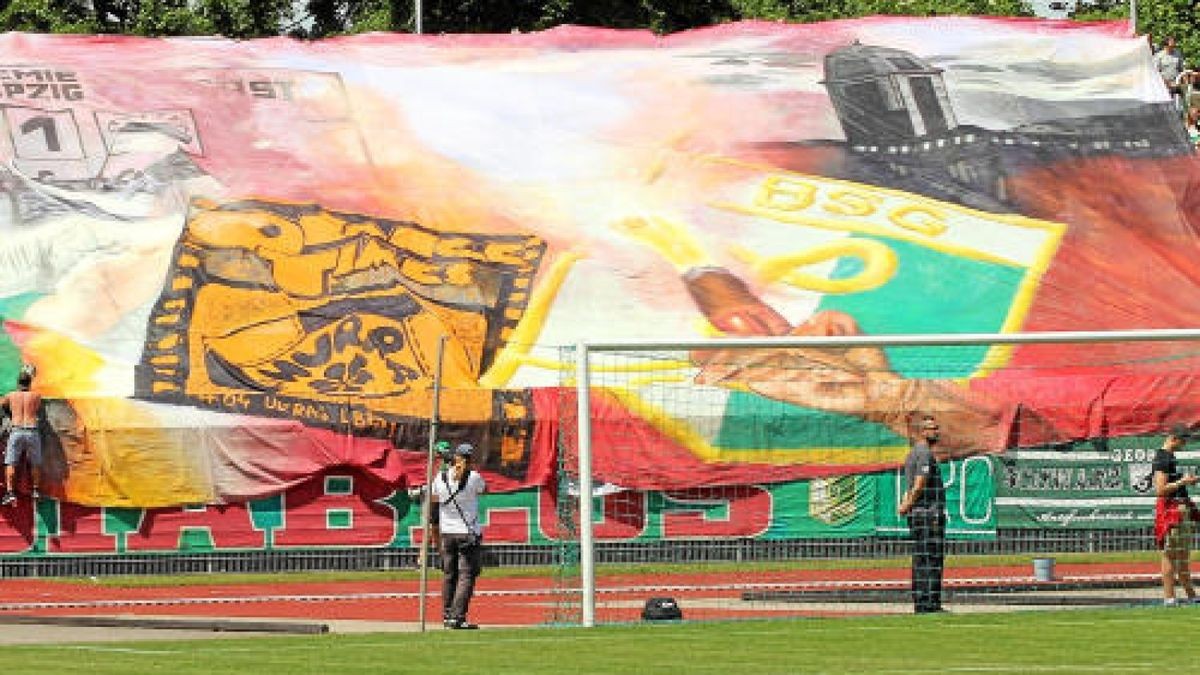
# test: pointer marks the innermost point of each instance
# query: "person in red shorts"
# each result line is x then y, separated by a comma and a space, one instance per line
1175, 516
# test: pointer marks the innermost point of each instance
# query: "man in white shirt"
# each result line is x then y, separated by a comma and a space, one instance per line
456, 491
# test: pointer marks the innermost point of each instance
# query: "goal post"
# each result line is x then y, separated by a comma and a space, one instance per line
889, 376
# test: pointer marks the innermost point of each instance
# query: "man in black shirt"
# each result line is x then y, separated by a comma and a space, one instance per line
1174, 518
924, 503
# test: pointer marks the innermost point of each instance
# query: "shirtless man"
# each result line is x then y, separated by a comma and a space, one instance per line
24, 440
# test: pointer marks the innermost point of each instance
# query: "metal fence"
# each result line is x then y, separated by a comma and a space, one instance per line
1007, 542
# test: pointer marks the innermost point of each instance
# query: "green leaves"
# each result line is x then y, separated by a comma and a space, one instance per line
1178, 18
165, 17
244, 18
234, 18
323, 18
47, 16
822, 10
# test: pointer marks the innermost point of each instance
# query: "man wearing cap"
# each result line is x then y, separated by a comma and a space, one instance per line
456, 491
1175, 516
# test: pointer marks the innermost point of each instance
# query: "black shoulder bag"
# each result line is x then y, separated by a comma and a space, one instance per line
474, 533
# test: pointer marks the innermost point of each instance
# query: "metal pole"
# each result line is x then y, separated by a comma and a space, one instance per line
417, 14
587, 546
427, 501
1133, 16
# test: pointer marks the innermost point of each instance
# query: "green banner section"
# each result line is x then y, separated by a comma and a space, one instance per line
970, 495
1104, 484
841, 506
980, 308
865, 505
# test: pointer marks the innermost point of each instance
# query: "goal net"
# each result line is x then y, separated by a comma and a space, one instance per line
750, 478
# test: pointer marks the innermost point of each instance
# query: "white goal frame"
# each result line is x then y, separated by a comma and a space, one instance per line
584, 349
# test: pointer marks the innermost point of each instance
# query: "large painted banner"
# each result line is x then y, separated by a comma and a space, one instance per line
233, 263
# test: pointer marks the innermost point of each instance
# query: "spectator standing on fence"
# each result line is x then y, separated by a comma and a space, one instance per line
924, 503
1175, 516
24, 439
456, 491
1169, 61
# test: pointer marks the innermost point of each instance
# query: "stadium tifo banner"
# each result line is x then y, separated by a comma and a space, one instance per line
351, 508
1096, 485
234, 263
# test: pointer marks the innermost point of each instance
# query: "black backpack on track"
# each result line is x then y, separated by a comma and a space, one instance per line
662, 609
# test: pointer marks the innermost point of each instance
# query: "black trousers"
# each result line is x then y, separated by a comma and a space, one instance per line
461, 565
928, 528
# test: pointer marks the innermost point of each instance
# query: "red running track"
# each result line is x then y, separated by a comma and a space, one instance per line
509, 601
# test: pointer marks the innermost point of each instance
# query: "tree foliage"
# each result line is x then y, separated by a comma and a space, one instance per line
821, 10
661, 16
1177, 18
323, 18
233, 18
1100, 10
46, 16
245, 18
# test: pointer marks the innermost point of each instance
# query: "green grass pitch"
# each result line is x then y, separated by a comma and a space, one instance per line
1125, 640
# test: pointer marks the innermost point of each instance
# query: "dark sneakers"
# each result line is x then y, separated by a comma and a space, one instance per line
10, 498
460, 624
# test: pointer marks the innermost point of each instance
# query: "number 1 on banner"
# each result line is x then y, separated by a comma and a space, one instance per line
46, 143
44, 134
49, 129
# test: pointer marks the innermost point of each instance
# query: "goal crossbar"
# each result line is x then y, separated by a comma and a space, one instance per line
898, 340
